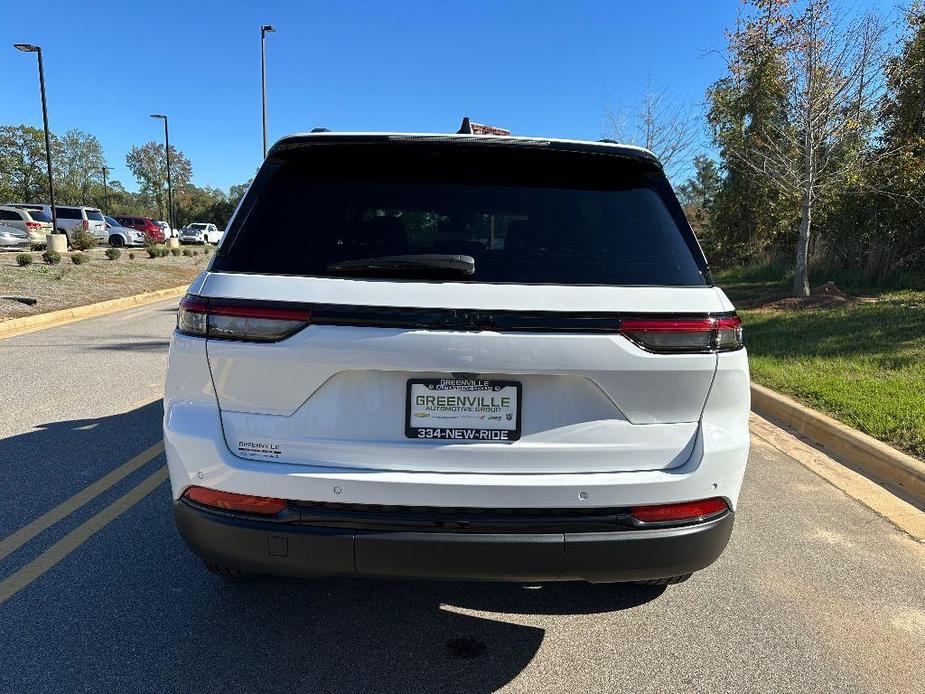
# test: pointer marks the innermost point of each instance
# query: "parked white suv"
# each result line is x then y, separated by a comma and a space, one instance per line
461, 356
73, 216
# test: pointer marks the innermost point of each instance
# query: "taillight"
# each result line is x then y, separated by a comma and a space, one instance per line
229, 501
86, 225
685, 334
686, 511
33, 225
216, 318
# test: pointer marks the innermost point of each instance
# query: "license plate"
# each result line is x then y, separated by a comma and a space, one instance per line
463, 409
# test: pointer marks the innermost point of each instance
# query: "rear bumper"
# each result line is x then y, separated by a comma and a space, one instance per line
288, 549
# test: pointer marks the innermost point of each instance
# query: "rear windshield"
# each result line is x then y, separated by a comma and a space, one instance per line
39, 216
95, 215
530, 217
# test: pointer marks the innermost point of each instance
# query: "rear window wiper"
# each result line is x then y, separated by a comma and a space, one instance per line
420, 262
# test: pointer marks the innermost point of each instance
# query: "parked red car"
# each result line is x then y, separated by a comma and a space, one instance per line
145, 225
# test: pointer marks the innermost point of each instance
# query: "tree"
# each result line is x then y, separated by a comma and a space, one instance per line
819, 148
79, 163
23, 173
698, 193
663, 125
751, 219
148, 165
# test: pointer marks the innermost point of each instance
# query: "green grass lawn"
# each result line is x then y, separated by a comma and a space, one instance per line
862, 363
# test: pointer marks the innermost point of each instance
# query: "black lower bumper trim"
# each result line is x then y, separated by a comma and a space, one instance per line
294, 550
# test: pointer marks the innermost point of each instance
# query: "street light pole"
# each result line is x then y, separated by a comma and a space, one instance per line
169, 185
31, 48
264, 30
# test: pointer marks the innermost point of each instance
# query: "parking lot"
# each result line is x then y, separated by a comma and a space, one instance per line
815, 593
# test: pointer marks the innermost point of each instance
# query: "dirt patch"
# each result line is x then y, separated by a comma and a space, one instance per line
827, 295
66, 285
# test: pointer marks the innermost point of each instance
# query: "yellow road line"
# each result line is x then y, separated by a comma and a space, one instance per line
67, 544
23, 535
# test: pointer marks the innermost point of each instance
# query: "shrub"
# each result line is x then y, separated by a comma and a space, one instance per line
51, 257
131, 256
113, 253
175, 252
187, 253
163, 252
80, 258
82, 239
151, 248
24, 259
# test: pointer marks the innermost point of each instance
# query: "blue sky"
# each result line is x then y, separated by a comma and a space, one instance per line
537, 68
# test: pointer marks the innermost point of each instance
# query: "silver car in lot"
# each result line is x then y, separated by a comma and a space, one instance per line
12, 239
119, 235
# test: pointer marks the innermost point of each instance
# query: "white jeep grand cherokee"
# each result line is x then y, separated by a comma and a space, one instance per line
457, 356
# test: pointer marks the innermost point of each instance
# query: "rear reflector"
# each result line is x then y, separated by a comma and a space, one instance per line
685, 335
235, 502
686, 511
217, 319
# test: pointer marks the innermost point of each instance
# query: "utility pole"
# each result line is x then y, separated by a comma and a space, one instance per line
105, 187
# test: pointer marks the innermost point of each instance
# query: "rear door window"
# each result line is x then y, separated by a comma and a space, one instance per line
523, 217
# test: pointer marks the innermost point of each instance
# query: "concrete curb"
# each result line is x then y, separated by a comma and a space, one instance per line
28, 324
857, 449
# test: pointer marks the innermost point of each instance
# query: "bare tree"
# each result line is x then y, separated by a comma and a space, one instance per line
665, 126
836, 83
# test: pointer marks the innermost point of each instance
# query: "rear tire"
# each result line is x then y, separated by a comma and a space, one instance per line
116, 241
226, 571
670, 581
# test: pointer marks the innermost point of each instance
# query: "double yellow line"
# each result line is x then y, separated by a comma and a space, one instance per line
67, 544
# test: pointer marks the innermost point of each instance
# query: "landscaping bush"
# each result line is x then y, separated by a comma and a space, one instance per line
51, 257
163, 252
131, 256
187, 252
175, 252
80, 258
151, 248
24, 259
82, 239
113, 253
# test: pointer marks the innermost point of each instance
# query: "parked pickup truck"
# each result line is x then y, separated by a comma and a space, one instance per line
200, 232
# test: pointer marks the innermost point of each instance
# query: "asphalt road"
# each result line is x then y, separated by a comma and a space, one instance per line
816, 593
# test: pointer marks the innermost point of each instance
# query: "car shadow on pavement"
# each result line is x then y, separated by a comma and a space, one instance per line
137, 346
56, 459
365, 635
